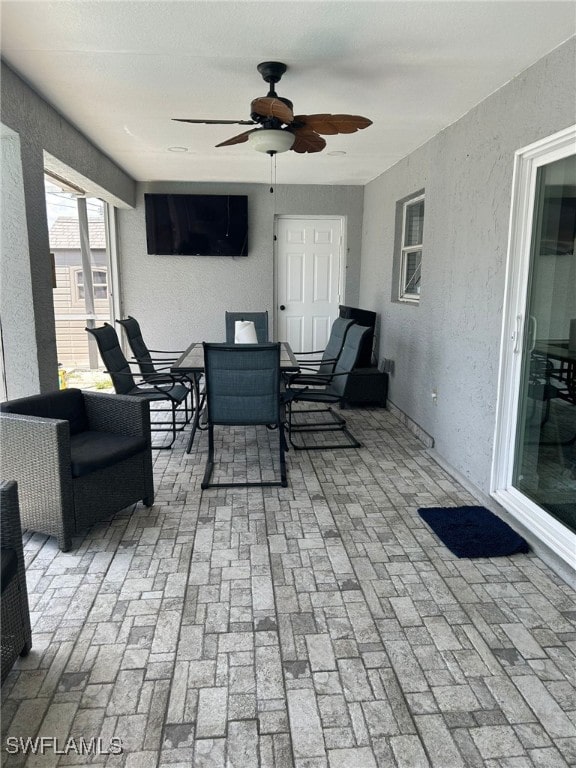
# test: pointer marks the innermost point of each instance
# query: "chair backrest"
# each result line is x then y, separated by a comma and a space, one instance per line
338, 333
138, 345
64, 404
113, 358
349, 356
242, 383
260, 320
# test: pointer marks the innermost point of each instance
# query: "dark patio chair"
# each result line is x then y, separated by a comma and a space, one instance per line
166, 389
78, 457
149, 366
540, 388
327, 389
322, 362
260, 320
16, 635
243, 389
567, 378
152, 368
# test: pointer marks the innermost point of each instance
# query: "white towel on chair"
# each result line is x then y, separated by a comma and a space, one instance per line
245, 332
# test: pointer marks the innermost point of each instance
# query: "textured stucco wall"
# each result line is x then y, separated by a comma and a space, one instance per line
179, 299
68, 150
451, 341
20, 362
45, 139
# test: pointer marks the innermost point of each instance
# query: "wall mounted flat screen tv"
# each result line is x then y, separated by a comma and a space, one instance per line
197, 225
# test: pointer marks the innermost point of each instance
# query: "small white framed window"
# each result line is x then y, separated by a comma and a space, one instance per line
99, 283
411, 249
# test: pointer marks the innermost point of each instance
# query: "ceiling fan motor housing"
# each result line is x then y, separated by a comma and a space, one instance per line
272, 71
269, 121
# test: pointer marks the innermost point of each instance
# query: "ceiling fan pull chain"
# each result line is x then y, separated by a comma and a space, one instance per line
272, 171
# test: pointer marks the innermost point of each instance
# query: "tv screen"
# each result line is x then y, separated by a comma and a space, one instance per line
197, 225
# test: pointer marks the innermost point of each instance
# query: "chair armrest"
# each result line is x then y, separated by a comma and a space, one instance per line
134, 360
11, 536
312, 367
316, 380
120, 414
10, 524
166, 364
313, 362
36, 441
35, 452
299, 392
148, 381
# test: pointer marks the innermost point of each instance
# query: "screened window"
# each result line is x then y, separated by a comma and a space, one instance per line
411, 249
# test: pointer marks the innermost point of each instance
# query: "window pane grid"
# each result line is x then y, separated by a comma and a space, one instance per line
99, 284
414, 223
411, 249
412, 266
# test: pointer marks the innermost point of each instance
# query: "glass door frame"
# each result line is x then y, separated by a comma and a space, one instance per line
527, 161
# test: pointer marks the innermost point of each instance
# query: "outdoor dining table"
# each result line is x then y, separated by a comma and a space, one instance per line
192, 362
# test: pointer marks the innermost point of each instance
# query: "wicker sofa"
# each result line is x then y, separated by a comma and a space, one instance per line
16, 634
77, 456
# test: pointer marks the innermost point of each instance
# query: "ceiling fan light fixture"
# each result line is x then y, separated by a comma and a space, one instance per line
271, 140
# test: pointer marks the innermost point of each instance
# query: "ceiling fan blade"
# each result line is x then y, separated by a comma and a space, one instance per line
307, 141
332, 124
268, 106
214, 122
241, 137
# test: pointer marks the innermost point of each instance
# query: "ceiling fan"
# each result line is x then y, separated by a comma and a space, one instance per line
279, 129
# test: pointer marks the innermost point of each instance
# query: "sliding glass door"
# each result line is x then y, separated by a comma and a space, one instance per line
535, 456
545, 455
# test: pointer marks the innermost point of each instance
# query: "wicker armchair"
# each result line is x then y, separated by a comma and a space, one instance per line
77, 457
16, 633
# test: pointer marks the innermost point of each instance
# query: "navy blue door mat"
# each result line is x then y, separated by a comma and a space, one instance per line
473, 531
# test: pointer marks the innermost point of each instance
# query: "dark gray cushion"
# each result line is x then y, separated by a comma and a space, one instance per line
65, 404
9, 566
91, 451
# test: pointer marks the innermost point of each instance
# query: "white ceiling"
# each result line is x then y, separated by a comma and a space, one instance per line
121, 70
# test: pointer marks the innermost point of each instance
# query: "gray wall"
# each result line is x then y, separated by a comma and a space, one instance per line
179, 299
451, 341
35, 136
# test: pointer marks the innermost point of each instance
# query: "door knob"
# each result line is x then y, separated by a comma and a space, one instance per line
282, 307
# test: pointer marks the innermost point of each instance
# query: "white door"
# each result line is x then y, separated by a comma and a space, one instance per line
309, 282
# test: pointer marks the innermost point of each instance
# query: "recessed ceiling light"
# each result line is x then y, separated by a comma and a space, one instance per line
177, 149
336, 152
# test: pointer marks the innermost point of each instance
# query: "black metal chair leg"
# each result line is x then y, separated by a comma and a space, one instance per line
352, 441
282, 442
210, 461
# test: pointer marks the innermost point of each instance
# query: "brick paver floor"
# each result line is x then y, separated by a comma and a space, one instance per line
318, 626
